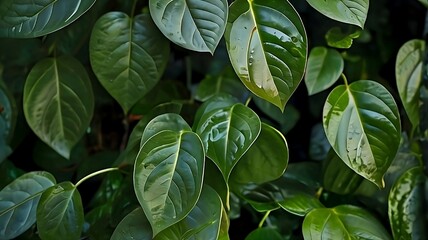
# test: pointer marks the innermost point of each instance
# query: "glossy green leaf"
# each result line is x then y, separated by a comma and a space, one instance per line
408, 74
168, 177
214, 179
192, 24
346, 11
227, 133
128, 55
265, 161
60, 212
58, 102
406, 205
18, 202
28, 19
202, 223
134, 226
214, 103
324, 68
343, 222
362, 123
338, 38
267, 46
263, 234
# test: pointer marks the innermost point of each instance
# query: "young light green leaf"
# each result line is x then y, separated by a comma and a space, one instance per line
18, 202
128, 55
134, 226
266, 160
60, 213
58, 102
343, 222
168, 177
267, 46
408, 74
362, 123
346, 11
406, 205
27, 19
227, 133
192, 24
324, 68
202, 223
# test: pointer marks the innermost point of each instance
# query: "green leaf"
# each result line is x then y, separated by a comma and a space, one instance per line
58, 102
8, 112
408, 74
134, 226
318, 143
214, 103
337, 38
202, 223
227, 133
406, 205
324, 68
28, 19
362, 123
192, 24
128, 55
60, 212
424, 2
343, 222
18, 202
168, 176
264, 233
267, 46
346, 11
266, 160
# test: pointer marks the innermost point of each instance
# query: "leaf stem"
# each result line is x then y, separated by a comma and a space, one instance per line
134, 6
345, 80
248, 101
94, 174
264, 219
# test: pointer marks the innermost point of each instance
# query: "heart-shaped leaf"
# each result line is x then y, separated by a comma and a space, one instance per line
347, 11
18, 202
168, 177
60, 212
58, 102
134, 226
362, 123
193, 24
267, 46
265, 161
216, 102
408, 73
342, 222
202, 223
128, 55
324, 68
406, 205
227, 133
28, 19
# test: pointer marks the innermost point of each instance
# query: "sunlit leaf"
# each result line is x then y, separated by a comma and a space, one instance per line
60, 213
58, 102
324, 68
128, 55
362, 124
27, 19
134, 226
18, 202
168, 176
267, 46
347, 11
406, 205
192, 24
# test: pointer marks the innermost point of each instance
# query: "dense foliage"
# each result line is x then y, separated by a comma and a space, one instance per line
168, 119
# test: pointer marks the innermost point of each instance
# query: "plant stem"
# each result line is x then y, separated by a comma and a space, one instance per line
264, 219
94, 174
345, 80
248, 101
134, 5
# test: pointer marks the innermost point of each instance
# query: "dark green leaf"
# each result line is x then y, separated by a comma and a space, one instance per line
60, 213
58, 102
343, 222
266, 160
8, 112
318, 143
214, 179
362, 124
27, 19
9, 172
324, 68
18, 202
336, 38
134, 226
192, 24
347, 11
168, 177
128, 56
406, 205
263, 234
267, 46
